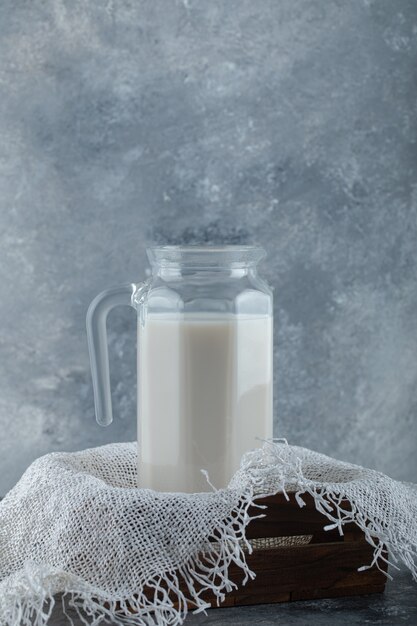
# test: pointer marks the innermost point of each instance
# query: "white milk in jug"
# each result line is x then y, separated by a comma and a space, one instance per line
204, 397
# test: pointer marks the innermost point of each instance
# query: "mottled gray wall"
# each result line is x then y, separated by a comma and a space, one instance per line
291, 123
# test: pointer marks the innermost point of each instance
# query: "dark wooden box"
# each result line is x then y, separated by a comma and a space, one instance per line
295, 559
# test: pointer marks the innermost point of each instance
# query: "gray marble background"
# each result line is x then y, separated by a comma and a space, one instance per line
292, 124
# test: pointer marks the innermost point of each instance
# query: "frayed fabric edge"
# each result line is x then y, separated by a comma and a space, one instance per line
328, 501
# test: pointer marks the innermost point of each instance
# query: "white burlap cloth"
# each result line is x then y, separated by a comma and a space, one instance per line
77, 524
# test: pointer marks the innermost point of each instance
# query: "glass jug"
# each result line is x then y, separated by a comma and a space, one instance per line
205, 342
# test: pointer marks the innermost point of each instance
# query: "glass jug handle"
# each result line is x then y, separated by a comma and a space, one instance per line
127, 294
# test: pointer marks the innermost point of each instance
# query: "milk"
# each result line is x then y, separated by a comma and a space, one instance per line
204, 397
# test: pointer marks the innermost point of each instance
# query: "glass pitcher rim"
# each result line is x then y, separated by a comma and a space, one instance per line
201, 255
